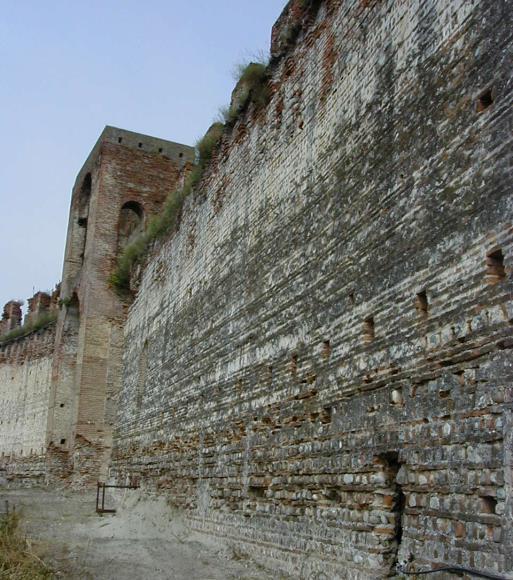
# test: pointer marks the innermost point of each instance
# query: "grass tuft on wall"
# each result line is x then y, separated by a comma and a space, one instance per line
252, 87
43, 320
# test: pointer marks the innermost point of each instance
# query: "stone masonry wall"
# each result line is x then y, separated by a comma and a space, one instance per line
25, 378
318, 364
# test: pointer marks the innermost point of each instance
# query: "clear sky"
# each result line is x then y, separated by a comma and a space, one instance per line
70, 67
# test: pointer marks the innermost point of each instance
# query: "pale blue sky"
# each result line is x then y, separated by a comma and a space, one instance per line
70, 67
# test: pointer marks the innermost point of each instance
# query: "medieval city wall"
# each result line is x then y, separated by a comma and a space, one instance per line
318, 364
25, 378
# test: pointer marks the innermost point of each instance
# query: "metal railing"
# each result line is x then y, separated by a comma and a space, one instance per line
100, 496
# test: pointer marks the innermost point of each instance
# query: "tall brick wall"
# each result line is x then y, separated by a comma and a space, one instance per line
318, 364
25, 377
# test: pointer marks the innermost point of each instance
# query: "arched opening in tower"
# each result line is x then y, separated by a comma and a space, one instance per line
84, 200
131, 223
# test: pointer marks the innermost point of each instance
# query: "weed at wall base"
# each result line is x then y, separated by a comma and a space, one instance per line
17, 556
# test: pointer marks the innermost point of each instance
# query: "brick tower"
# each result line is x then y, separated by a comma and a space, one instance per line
124, 181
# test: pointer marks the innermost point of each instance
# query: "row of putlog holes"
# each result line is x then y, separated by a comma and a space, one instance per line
495, 273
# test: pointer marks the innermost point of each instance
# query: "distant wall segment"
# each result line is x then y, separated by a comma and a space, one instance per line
60, 364
25, 378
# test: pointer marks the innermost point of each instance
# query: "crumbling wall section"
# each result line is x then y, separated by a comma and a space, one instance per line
318, 364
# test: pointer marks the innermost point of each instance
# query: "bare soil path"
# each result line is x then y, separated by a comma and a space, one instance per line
143, 541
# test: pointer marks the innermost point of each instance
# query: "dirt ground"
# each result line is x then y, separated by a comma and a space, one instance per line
144, 540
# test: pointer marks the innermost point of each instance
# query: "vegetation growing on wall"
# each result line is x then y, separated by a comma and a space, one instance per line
252, 89
65, 301
167, 220
43, 320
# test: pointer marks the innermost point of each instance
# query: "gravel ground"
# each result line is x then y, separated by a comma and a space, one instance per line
143, 541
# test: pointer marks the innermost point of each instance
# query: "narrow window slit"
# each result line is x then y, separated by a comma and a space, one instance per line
495, 271
293, 364
256, 491
422, 305
488, 504
369, 331
326, 415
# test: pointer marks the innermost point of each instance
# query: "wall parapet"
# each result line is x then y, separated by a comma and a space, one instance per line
42, 312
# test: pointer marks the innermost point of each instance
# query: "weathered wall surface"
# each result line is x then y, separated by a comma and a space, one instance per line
25, 378
123, 183
318, 365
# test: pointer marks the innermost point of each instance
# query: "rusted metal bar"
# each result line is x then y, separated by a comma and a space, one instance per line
121, 486
103, 486
97, 496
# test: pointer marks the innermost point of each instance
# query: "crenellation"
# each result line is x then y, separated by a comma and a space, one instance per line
11, 316
38, 305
